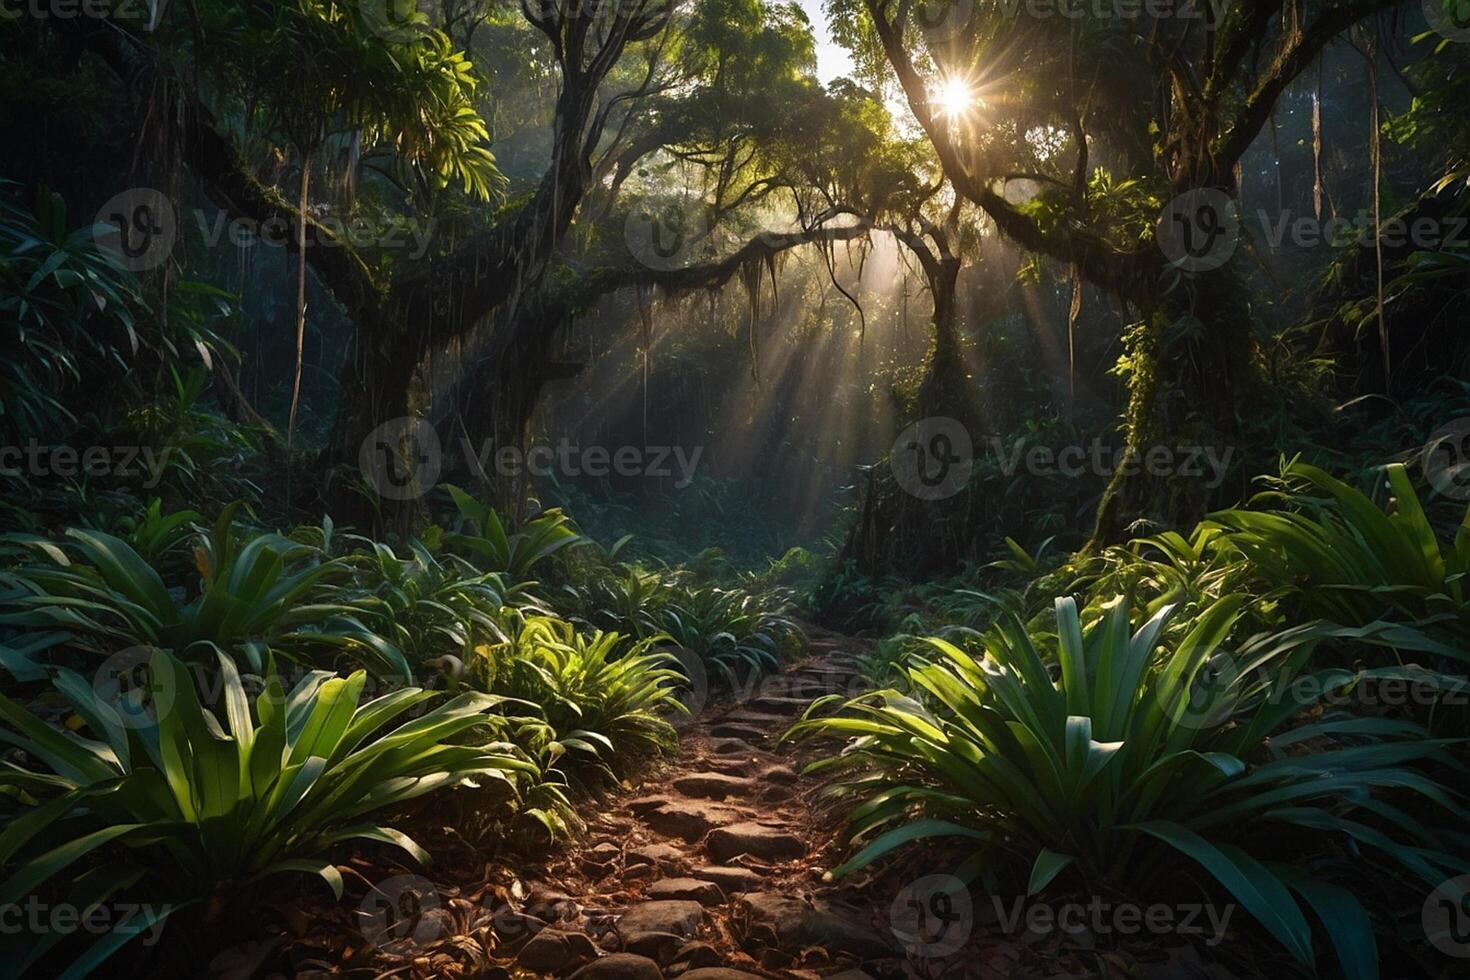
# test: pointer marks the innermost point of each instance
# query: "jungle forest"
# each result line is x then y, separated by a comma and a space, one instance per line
735, 489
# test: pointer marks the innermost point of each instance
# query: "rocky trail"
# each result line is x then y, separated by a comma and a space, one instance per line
712, 868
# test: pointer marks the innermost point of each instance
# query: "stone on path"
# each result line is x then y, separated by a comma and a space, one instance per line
552, 951
657, 946
688, 890
732, 729
656, 854
620, 966
730, 746
791, 924
728, 765
755, 839
697, 954
784, 775
731, 879
781, 705
762, 720
688, 820
714, 785
678, 918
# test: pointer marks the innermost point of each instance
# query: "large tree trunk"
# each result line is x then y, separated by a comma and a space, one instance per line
896, 530
1194, 374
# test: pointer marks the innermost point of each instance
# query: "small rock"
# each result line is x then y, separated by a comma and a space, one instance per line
730, 729
730, 746
754, 839
784, 775
696, 954
656, 854
729, 765
679, 918
657, 946
797, 925
713, 785
557, 952
688, 820
776, 794
730, 879
620, 966
643, 804
687, 890
638, 872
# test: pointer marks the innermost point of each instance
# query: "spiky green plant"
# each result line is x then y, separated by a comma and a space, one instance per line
1342, 558
483, 537
605, 698
1109, 754
253, 594
192, 807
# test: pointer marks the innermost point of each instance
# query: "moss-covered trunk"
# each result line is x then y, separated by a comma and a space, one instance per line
1194, 374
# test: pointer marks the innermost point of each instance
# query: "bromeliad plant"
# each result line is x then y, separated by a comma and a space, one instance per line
1115, 752
191, 808
483, 538
429, 607
253, 593
1342, 558
735, 634
605, 698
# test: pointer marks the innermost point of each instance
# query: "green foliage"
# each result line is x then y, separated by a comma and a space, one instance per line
735, 634
204, 805
252, 594
1333, 553
604, 698
483, 538
70, 310
1110, 753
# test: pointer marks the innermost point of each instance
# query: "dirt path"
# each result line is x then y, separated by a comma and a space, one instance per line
712, 868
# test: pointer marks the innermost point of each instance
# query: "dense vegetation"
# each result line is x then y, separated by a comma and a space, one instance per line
413, 416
